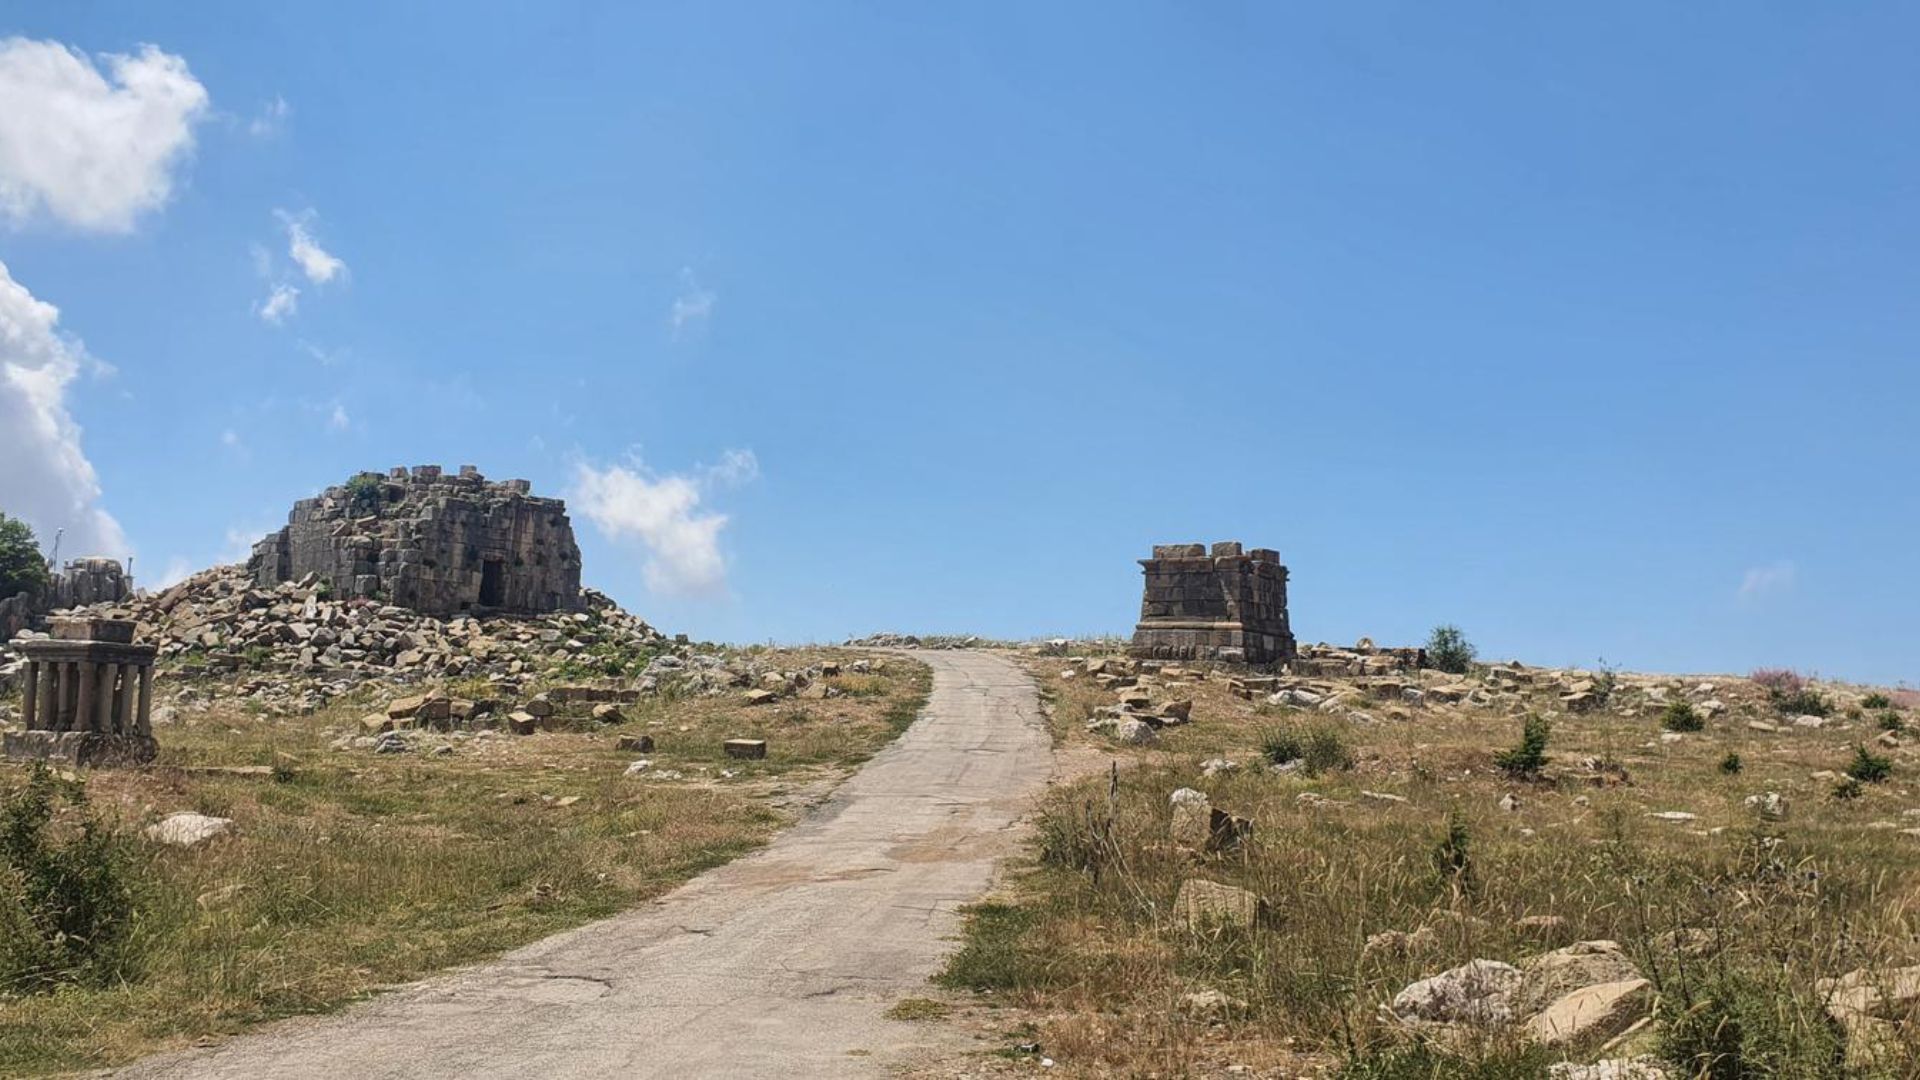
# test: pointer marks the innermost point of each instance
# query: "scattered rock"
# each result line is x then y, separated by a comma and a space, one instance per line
1476, 994
1203, 905
1770, 805
1399, 943
1553, 975
1592, 1014
752, 749
635, 744
188, 829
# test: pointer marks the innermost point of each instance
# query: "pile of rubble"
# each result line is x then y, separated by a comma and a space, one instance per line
1148, 696
295, 644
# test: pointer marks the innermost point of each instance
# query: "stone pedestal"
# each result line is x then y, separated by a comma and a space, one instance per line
1226, 604
88, 696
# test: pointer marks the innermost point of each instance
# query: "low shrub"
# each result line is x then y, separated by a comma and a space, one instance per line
1680, 716
1731, 764
1527, 757
1869, 767
1317, 748
1778, 680
68, 889
1723, 1023
1449, 650
1802, 702
1453, 855
1876, 700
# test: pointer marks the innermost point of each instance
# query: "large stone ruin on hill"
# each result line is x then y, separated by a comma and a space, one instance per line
435, 543
1226, 604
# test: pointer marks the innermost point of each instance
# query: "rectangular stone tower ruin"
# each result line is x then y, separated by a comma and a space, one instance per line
1227, 604
440, 545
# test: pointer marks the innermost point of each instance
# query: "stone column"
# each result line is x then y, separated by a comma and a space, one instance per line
30, 702
123, 706
106, 675
49, 698
145, 718
71, 695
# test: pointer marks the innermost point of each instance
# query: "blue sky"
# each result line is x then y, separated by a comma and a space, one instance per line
1590, 329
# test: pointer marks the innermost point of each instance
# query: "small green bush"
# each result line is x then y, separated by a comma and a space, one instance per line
1890, 720
1725, 1024
1876, 700
68, 890
1869, 767
1449, 650
1453, 855
1529, 755
1680, 716
1804, 701
1318, 748
1731, 764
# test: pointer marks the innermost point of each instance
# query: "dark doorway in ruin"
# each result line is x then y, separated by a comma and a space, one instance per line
493, 583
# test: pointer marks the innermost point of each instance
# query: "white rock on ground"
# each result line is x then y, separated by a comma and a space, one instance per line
1477, 992
187, 829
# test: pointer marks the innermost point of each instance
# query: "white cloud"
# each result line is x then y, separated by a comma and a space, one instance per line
663, 513
693, 307
281, 302
338, 420
271, 119
316, 262
45, 477
1761, 580
90, 150
736, 467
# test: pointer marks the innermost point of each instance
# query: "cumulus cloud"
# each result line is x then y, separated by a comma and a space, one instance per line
320, 265
665, 515
693, 307
88, 148
281, 302
46, 479
1763, 580
338, 420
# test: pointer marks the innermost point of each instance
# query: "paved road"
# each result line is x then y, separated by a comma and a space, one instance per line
778, 965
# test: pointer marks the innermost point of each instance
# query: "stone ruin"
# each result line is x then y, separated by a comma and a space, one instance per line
88, 696
92, 580
1227, 604
437, 544
89, 580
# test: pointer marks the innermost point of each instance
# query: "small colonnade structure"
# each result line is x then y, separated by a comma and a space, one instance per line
88, 697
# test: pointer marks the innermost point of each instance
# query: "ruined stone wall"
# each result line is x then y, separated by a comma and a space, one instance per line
431, 542
1227, 604
92, 580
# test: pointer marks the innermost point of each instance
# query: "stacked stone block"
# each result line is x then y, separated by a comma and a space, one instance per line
437, 544
1225, 604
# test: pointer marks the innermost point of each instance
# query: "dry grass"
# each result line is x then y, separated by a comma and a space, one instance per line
1085, 948
350, 871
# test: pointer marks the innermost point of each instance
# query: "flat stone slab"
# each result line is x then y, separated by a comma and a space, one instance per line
83, 748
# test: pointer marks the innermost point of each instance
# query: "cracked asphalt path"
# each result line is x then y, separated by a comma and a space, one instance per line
780, 964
